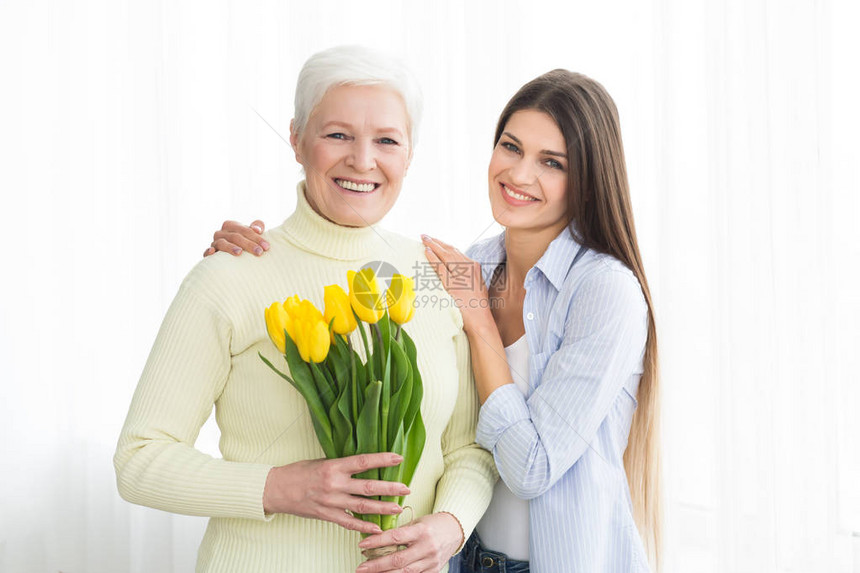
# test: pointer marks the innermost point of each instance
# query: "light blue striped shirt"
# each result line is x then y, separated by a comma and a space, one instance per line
561, 446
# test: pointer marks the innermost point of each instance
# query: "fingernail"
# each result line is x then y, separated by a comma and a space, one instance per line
405, 491
398, 509
256, 228
236, 250
425, 237
258, 251
361, 569
265, 245
397, 458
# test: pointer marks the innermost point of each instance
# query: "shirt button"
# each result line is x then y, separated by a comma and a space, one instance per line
530, 316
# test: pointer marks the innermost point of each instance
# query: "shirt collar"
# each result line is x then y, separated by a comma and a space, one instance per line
558, 258
554, 264
490, 253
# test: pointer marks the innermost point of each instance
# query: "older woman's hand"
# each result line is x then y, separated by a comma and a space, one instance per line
235, 237
430, 542
325, 489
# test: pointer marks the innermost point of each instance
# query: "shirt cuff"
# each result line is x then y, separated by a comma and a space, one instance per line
503, 408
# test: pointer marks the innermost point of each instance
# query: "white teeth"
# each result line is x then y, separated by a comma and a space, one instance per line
517, 195
360, 187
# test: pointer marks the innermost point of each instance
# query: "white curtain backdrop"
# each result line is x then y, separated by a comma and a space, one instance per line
129, 131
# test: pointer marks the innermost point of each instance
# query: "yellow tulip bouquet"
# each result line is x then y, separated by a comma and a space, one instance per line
356, 406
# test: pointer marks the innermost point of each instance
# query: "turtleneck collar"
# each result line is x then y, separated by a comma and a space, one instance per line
307, 229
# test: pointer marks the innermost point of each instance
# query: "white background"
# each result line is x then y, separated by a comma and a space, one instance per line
127, 134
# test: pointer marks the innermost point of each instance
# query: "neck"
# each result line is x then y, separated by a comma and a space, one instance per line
309, 230
524, 248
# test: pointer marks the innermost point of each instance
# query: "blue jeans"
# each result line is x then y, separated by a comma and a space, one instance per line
476, 559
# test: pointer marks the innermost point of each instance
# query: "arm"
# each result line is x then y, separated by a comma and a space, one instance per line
156, 462
466, 486
489, 362
536, 441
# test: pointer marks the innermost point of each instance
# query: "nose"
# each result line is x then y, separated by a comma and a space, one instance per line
362, 156
523, 174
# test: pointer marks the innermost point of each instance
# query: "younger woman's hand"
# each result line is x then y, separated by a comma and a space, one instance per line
235, 237
430, 542
462, 278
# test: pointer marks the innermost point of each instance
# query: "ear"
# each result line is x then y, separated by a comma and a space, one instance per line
294, 140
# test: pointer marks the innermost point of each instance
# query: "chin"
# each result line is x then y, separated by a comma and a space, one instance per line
357, 219
501, 216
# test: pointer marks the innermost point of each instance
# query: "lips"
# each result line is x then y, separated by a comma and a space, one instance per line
516, 196
356, 186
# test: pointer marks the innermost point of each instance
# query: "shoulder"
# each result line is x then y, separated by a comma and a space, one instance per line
219, 266
404, 247
601, 283
223, 279
489, 247
408, 257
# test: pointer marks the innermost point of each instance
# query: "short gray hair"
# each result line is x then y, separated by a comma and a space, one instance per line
358, 66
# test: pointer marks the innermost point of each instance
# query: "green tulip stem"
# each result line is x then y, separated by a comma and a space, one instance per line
367, 355
385, 400
353, 377
378, 334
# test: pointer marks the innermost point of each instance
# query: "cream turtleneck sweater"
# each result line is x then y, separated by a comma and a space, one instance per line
206, 353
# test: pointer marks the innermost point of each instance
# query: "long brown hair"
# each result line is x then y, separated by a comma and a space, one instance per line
602, 219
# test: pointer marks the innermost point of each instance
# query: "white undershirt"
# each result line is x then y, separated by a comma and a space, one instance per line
505, 525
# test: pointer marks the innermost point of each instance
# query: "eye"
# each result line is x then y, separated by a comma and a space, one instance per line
554, 164
510, 146
387, 141
337, 135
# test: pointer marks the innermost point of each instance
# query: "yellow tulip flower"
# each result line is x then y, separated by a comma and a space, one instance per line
337, 307
401, 299
303, 323
307, 311
292, 303
309, 324
319, 341
276, 322
365, 295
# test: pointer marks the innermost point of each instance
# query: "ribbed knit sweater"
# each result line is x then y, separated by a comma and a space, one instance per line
206, 353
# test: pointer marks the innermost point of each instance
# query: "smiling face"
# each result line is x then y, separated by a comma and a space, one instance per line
528, 174
355, 150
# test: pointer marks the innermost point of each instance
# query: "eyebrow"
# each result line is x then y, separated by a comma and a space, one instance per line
336, 123
543, 151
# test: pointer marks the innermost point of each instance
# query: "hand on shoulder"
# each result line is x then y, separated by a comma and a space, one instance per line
234, 238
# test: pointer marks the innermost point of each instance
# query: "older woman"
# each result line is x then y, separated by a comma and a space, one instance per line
274, 505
